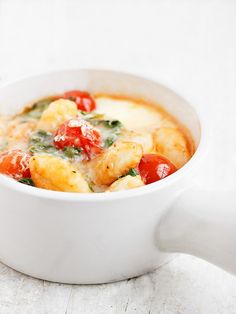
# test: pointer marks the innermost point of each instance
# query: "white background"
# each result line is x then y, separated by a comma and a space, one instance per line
188, 45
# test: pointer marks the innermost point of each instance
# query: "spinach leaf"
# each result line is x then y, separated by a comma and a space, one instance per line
91, 187
111, 124
133, 172
91, 115
41, 137
110, 130
72, 152
27, 181
109, 141
42, 141
37, 108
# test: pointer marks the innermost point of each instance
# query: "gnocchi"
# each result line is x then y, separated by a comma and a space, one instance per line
171, 143
53, 173
83, 143
58, 112
126, 183
115, 162
144, 139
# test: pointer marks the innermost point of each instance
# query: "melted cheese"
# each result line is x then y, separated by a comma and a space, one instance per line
134, 115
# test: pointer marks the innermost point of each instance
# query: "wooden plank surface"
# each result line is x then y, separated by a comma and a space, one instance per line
185, 285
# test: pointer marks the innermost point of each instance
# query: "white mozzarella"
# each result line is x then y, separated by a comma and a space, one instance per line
134, 115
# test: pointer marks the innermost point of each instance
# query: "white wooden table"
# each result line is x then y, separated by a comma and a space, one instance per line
189, 45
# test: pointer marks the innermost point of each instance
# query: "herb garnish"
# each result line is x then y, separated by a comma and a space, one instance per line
27, 181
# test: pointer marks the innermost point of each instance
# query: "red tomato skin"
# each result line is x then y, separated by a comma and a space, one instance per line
154, 167
80, 134
15, 164
84, 100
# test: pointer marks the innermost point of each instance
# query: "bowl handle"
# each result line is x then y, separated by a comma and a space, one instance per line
202, 223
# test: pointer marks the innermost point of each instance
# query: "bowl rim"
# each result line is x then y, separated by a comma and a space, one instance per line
124, 194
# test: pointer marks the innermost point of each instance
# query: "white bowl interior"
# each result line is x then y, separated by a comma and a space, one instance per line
15, 96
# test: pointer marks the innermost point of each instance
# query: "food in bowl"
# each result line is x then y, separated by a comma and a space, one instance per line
78, 142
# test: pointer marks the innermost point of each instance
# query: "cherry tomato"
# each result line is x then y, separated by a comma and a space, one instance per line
153, 167
80, 134
84, 100
15, 164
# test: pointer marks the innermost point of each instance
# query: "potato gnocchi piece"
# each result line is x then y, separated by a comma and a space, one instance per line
115, 162
172, 144
53, 173
144, 139
57, 113
126, 183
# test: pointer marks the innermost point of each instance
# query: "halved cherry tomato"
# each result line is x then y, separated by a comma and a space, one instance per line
153, 167
80, 134
84, 100
15, 164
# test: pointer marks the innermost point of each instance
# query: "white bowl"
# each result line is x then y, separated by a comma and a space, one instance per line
103, 237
